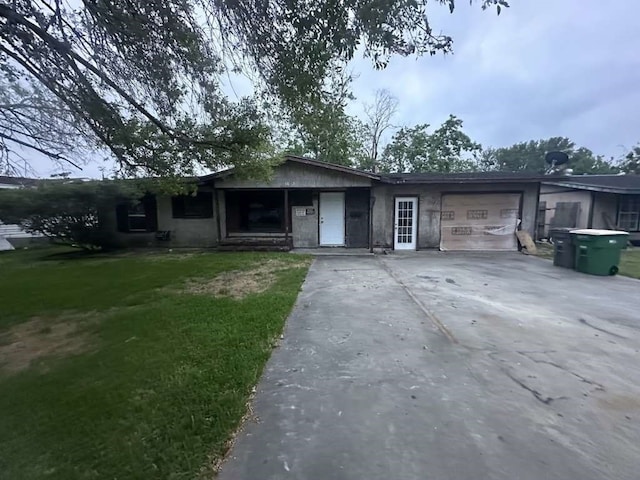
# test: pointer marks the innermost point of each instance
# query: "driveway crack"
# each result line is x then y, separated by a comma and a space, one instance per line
537, 395
598, 386
584, 322
429, 314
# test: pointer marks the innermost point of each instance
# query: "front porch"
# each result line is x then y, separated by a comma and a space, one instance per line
283, 218
266, 242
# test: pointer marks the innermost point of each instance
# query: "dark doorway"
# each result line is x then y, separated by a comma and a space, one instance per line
357, 217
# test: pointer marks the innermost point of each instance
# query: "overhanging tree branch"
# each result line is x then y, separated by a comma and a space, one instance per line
53, 156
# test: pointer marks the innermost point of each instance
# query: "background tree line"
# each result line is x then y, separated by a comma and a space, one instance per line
376, 143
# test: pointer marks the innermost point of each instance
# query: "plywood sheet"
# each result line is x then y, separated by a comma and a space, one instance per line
479, 221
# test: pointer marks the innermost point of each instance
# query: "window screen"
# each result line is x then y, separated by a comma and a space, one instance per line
138, 217
193, 206
629, 213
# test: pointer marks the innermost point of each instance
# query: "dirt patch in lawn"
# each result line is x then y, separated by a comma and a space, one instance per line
238, 284
40, 337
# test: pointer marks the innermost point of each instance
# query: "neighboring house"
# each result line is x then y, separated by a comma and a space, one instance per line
309, 204
12, 236
591, 201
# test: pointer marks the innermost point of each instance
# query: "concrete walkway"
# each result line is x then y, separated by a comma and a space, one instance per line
449, 367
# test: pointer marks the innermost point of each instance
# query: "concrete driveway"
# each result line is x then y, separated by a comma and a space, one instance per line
450, 366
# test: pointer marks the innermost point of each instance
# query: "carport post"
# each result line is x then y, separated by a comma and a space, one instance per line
286, 216
372, 201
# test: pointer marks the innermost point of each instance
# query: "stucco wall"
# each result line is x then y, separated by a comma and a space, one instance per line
429, 207
191, 232
187, 232
304, 229
295, 175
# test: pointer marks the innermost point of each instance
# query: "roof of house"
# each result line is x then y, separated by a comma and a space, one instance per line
18, 181
407, 178
304, 161
628, 184
332, 166
466, 177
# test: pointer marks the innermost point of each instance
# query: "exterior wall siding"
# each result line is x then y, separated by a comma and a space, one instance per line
304, 229
293, 175
429, 208
185, 232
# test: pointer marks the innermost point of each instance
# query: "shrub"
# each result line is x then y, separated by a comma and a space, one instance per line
67, 211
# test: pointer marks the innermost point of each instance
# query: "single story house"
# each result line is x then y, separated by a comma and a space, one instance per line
309, 204
590, 201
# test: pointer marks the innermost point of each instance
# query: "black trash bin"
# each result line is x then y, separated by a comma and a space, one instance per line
564, 251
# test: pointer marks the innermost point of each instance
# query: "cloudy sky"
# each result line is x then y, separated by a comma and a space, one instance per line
542, 68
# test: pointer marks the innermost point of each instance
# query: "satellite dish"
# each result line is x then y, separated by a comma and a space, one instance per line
556, 158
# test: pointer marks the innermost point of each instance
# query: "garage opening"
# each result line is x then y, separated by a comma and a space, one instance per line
479, 221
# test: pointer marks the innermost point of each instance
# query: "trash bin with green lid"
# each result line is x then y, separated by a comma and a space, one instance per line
564, 254
598, 251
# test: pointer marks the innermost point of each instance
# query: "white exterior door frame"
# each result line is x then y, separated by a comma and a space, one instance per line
405, 223
332, 219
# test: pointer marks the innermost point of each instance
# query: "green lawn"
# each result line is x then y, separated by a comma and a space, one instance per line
629, 263
116, 367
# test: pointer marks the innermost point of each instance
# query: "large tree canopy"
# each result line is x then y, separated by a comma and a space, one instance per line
143, 78
448, 149
630, 163
529, 156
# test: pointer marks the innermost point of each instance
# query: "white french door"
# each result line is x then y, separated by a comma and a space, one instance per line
405, 232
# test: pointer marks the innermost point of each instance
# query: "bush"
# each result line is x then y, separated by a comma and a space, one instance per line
67, 211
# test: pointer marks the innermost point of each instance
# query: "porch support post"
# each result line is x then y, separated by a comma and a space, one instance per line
286, 215
372, 202
216, 199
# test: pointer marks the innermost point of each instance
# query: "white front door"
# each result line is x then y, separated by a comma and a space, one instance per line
332, 218
405, 230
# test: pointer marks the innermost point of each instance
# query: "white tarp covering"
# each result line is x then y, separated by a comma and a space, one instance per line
486, 221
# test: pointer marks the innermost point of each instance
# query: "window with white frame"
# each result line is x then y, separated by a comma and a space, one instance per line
629, 213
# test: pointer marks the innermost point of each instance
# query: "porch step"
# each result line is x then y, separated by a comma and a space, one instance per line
262, 244
253, 248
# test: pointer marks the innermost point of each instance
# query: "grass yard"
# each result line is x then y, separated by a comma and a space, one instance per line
629, 263
133, 366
